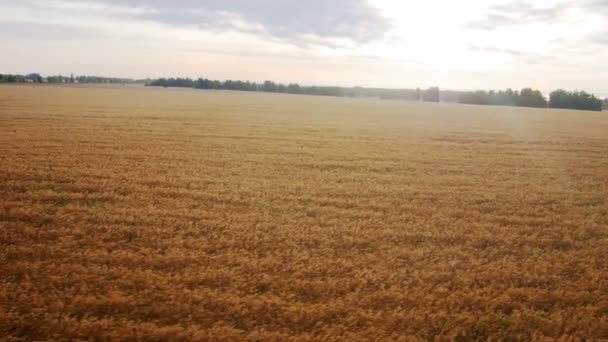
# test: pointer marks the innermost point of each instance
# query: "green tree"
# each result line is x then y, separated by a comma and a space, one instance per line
34, 77
574, 100
531, 98
293, 88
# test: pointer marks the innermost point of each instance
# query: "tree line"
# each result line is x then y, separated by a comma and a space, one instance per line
267, 86
533, 98
429, 95
526, 97
575, 100
37, 78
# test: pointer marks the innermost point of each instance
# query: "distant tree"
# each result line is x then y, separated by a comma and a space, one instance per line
293, 88
449, 96
527, 97
325, 91
509, 97
203, 84
574, 100
559, 99
605, 104
33, 77
431, 95
163, 82
230, 85
531, 98
269, 86
478, 97
398, 94
348, 92
12, 78
590, 102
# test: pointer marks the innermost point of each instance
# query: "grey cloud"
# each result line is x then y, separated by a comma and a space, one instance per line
519, 12
523, 57
516, 13
283, 19
601, 7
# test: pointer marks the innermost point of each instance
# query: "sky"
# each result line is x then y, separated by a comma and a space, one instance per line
465, 44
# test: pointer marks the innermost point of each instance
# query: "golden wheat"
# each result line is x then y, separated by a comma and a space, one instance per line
214, 216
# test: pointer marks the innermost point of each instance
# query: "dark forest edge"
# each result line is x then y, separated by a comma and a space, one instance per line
56, 79
526, 97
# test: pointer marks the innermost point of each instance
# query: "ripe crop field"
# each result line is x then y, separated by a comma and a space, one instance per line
174, 214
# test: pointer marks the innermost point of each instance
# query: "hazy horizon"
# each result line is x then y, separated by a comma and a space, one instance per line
377, 43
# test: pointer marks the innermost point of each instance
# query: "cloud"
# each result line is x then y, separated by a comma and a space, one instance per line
494, 49
600, 38
521, 56
520, 12
291, 20
37, 31
542, 32
517, 13
490, 22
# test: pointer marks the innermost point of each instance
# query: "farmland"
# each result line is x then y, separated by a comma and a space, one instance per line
168, 214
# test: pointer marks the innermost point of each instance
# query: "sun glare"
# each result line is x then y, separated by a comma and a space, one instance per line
434, 33
437, 34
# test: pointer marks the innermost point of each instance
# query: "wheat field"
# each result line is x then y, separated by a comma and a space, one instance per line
170, 214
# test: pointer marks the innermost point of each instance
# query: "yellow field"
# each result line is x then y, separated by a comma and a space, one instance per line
172, 214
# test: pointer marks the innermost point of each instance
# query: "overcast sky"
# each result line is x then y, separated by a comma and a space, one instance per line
461, 44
